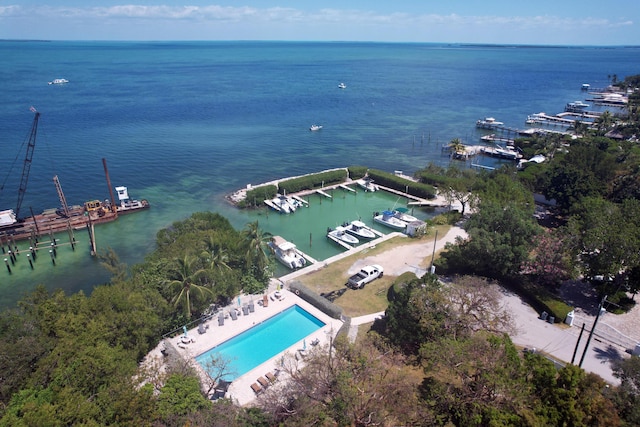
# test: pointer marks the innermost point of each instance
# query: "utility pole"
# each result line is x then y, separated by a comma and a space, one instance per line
586, 347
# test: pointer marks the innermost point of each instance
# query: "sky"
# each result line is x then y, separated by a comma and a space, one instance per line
539, 22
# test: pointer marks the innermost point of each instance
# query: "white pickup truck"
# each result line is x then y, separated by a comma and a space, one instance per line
365, 275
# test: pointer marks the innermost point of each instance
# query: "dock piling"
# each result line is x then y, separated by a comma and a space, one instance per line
6, 262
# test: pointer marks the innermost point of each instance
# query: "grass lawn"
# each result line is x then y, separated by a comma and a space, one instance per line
371, 299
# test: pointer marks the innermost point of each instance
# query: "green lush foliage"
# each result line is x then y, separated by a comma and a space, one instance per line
395, 182
311, 181
357, 172
256, 196
72, 360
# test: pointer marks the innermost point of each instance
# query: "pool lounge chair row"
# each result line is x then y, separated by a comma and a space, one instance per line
235, 312
262, 382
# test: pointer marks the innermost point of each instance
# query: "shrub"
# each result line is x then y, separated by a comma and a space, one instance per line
357, 172
257, 195
395, 182
316, 180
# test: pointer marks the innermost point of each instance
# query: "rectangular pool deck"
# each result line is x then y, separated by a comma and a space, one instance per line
240, 390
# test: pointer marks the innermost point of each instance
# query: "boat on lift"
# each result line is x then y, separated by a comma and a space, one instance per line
367, 184
358, 229
287, 253
389, 219
403, 215
340, 234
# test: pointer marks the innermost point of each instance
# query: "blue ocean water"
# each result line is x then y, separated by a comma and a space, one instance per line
263, 341
183, 124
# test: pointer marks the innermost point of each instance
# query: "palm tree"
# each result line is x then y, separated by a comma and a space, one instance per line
604, 122
456, 146
257, 240
216, 255
186, 278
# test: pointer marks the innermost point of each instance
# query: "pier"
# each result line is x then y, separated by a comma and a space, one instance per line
346, 187
329, 196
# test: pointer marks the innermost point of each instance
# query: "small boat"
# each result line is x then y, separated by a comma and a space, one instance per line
389, 219
576, 106
314, 128
502, 153
340, 233
342, 86
287, 253
402, 215
127, 204
282, 205
58, 81
367, 184
359, 229
488, 123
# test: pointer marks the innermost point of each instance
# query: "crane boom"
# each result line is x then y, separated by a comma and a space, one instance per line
27, 162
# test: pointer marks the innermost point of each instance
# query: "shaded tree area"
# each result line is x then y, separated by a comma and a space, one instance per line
73, 360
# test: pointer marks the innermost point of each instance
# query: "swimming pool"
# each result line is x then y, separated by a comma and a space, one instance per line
263, 341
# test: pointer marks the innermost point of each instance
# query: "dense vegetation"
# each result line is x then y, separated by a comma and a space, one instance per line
441, 356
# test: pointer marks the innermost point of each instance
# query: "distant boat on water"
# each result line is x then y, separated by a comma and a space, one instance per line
342, 86
58, 81
314, 128
488, 123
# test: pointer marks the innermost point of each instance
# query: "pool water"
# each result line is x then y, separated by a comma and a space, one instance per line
263, 341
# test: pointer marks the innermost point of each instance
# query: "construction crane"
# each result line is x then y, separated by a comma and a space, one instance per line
27, 161
63, 200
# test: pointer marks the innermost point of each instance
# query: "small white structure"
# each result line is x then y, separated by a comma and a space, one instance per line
7, 217
123, 194
416, 228
570, 318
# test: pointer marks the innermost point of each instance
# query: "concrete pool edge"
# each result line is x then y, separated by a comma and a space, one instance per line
240, 390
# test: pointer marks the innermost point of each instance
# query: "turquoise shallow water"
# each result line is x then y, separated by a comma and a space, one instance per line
183, 124
263, 341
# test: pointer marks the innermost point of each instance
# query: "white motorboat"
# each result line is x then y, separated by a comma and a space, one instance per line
359, 229
287, 253
58, 81
340, 234
402, 215
342, 86
314, 128
576, 106
488, 123
367, 184
280, 202
389, 219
